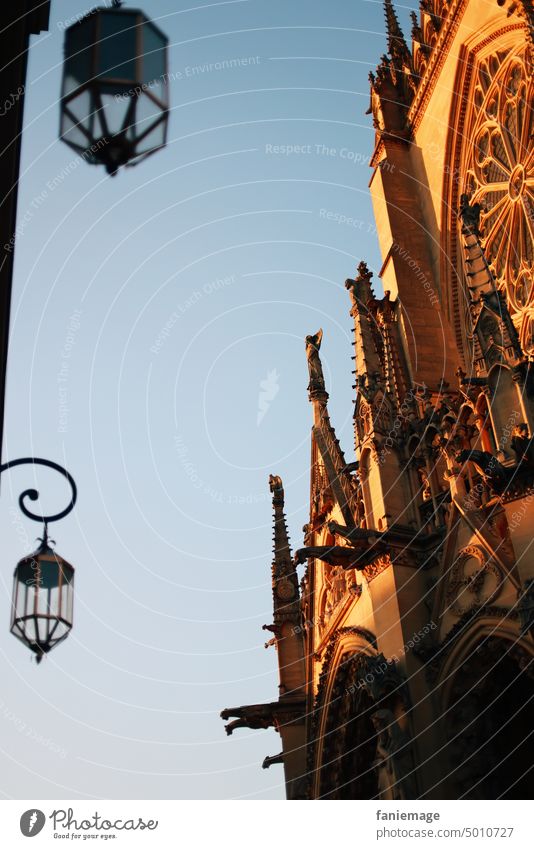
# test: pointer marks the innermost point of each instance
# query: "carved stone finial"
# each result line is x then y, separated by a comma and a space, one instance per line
417, 33
397, 46
363, 272
276, 487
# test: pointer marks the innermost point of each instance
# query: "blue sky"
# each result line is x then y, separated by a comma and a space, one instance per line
157, 351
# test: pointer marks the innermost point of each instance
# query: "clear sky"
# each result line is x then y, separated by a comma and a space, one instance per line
157, 351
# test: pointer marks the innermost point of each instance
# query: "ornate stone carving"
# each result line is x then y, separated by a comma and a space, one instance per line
475, 580
336, 589
499, 176
379, 565
286, 590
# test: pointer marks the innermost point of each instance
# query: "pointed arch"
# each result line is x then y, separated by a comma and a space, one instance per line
487, 692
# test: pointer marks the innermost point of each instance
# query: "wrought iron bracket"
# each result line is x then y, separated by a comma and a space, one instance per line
33, 494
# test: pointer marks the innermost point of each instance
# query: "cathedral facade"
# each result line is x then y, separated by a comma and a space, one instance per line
406, 652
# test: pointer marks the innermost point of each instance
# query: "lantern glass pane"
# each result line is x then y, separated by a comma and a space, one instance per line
40, 629
16, 630
26, 597
159, 89
70, 599
148, 112
72, 133
67, 593
65, 602
17, 600
114, 112
49, 573
54, 601
79, 43
81, 107
41, 597
30, 630
155, 138
118, 45
60, 631
154, 52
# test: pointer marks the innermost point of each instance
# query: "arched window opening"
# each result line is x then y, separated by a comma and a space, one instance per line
489, 724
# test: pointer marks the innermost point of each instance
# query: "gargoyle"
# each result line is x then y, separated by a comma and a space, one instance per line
355, 534
497, 475
249, 716
353, 557
272, 759
470, 215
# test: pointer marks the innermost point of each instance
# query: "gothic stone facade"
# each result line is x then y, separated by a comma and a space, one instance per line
406, 652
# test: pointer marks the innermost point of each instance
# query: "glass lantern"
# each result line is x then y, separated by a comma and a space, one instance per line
43, 589
114, 102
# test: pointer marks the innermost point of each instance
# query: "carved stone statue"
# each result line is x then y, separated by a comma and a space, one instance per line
425, 483
393, 759
313, 346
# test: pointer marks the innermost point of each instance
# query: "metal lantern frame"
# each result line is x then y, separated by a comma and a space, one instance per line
43, 582
43, 597
99, 143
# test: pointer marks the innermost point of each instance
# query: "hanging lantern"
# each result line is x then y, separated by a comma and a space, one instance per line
114, 102
43, 590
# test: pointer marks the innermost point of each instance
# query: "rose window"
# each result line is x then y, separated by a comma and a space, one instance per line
500, 174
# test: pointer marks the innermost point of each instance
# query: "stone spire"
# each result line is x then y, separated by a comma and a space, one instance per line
323, 434
397, 47
394, 85
285, 580
288, 714
367, 340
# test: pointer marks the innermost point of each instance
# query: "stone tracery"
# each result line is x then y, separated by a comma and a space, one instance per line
499, 173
